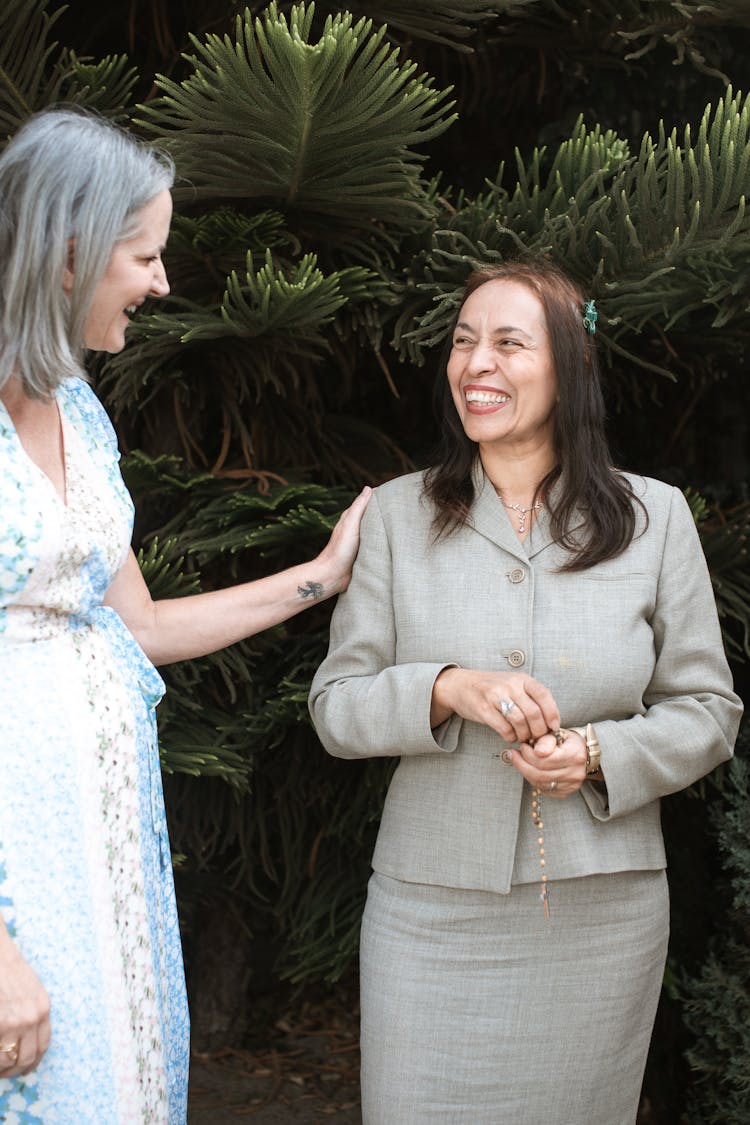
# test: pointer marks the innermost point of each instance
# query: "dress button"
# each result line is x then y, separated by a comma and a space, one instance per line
517, 574
516, 658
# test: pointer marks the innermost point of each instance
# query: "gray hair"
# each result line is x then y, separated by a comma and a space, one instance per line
66, 175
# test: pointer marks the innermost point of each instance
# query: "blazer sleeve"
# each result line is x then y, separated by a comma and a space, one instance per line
363, 703
691, 713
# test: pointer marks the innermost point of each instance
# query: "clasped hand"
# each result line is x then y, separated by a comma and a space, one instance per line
521, 710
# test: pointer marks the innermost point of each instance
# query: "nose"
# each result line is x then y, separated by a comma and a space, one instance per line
159, 283
483, 357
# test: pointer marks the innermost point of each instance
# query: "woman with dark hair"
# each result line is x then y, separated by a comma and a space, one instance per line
93, 1016
533, 633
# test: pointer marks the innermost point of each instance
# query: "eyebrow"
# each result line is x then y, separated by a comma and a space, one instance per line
503, 330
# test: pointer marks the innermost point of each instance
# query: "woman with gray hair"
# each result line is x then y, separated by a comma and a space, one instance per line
93, 1015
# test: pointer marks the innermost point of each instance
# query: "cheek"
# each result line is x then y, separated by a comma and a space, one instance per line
453, 374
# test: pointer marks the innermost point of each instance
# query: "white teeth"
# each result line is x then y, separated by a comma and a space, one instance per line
486, 396
131, 310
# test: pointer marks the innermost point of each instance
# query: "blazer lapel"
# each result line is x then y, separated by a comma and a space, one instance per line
491, 519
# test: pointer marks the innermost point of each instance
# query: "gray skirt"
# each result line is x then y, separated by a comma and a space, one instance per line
476, 1010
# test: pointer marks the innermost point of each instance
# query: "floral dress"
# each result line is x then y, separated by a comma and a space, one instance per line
86, 884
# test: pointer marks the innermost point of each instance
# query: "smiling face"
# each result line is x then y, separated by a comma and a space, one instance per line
500, 371
134, 272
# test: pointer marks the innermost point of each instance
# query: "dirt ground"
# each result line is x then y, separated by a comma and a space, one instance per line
304, 1069
301, 1068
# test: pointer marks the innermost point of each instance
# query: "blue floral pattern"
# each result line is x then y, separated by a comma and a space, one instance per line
86, 884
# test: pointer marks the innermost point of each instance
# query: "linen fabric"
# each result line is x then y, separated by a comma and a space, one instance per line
86, 883
632, 645
477, 1011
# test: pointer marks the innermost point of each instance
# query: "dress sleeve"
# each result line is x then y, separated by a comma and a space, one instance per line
691, 712
92, 423
93, 419
363, 703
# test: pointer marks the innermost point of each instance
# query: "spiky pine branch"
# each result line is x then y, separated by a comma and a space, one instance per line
326, 128
658, 238
36, 73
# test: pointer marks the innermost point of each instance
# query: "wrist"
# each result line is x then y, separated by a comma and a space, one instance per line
319, 579
441, 707
593, 751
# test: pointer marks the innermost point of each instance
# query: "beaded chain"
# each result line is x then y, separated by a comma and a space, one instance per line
536, 814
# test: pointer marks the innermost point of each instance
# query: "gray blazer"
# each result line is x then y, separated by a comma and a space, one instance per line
632, 645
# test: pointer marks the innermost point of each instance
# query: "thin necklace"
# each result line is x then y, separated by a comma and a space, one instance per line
522, 512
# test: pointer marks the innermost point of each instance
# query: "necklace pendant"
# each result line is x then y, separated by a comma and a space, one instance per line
522, 512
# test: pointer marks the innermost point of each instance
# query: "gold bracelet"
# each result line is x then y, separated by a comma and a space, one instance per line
593, 750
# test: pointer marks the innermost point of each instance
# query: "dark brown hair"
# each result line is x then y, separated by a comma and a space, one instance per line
589, 483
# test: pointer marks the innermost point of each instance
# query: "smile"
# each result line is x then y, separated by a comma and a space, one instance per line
486, 397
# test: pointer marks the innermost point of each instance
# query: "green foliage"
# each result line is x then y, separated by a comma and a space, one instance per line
661, 239
715, 1001
449, 23
325, 128
627, 30
330, 201
725, 540
35, 74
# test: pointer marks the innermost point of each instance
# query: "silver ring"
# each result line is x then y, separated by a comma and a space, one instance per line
506, 706
552, 787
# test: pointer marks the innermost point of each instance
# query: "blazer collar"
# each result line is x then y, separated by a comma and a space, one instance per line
492, 519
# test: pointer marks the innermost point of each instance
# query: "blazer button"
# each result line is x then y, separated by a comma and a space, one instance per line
516, 658
517, 574
506, 757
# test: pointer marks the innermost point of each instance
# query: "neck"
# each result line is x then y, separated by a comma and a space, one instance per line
517, 479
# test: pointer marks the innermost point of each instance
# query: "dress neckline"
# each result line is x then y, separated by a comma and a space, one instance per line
61, 497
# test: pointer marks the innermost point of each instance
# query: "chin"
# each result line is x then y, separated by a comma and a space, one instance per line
112, 347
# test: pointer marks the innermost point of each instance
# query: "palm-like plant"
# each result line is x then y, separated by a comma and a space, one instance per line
316, 258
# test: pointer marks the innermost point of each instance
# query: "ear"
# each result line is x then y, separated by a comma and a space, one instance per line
68, 271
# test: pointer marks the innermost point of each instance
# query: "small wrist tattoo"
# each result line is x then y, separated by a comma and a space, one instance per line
310, 590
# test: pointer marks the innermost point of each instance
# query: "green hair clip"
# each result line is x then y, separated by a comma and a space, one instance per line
590, 316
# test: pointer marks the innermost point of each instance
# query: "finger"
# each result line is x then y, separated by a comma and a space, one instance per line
539, 754
44, 1036
40, 1041
536, 723
11, 1055
544, 699
514, 726
357, 506
539, 771
28, 1054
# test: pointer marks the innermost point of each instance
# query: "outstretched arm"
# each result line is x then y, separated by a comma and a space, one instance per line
182, 628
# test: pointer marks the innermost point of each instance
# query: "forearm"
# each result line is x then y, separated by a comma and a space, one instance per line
183, 628
663, 751
691, 714
380, 714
